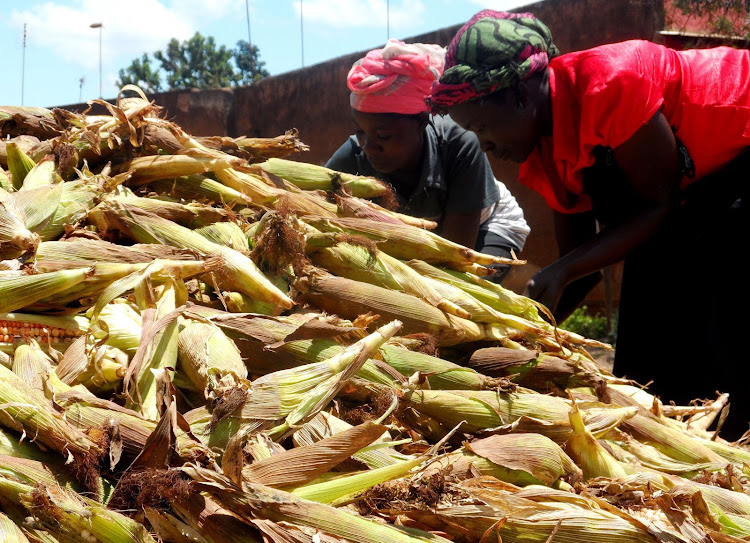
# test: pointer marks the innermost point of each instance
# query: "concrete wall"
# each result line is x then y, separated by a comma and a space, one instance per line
315, 101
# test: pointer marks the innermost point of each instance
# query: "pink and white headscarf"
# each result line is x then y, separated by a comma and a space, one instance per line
396, 78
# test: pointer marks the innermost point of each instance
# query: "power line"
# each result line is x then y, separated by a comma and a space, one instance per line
302, 32
387, 19
23, 62
247, 9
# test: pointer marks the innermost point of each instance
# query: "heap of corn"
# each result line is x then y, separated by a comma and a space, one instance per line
204, 342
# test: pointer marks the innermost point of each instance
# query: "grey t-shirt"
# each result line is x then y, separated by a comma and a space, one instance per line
455, 177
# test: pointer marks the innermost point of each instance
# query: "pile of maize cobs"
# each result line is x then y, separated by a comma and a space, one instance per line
204, 341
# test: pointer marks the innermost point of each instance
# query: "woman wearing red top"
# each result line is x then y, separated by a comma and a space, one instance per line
642, 153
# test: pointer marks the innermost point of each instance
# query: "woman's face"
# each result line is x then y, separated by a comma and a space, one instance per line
505, 130
392, 143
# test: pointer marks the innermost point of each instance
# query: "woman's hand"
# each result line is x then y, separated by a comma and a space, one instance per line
547, 285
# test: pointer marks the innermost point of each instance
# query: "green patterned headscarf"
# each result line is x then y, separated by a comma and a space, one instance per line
493, 51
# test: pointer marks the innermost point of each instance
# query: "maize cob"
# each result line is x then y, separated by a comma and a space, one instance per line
254, 500
191, 215
325, 425
75, 518
312, 177
349, 299
5, 182
228, 234
347, 488
9, 532
149, 168
589, 454
157, 352
205, 354
269, 196
408, 242
25, 409
351, 206
31, 364
239, 272
41, 174
23, 290
311, 461
19, 164
198, 187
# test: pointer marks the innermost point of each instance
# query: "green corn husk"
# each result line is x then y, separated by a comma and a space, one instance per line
407, 242
511, 518
39, 205
84, 410
312, 177
123, 326
365, 209
15, 237
156, 353
105, 273
77, 198
42, 173
380, 269
14, 445
237, 302
75, 518
288, 397
487, 292
19, 164
23, 290
483, 409
228, 234
54, 255
263, 194
532, 369
325, 425
589, 454
5, 183
206, 354
349, 299
519, 459
252, 501
199, 187
10, 532
31, 364
238, 273
98, 367
25, 409
347, 488
311, 461
150, 168
190, 215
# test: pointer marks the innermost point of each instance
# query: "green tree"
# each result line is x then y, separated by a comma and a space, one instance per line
142, 73
195, 63
247, 59
724, 17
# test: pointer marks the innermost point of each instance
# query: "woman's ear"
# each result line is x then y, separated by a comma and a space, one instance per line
424, 118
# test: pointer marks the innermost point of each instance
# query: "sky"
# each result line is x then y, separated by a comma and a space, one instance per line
58, 61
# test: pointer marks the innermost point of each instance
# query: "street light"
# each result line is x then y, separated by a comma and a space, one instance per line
99, 26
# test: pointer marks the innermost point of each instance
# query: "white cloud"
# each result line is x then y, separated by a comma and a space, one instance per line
360, 13
129, 29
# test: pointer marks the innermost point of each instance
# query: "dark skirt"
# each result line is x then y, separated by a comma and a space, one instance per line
684, 300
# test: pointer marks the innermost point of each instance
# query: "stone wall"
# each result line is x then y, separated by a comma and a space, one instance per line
314, 100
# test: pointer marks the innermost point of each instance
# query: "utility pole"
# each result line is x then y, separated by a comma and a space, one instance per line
80, 89
23, 62
99, 26
247, 10
302, 33
387, 19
